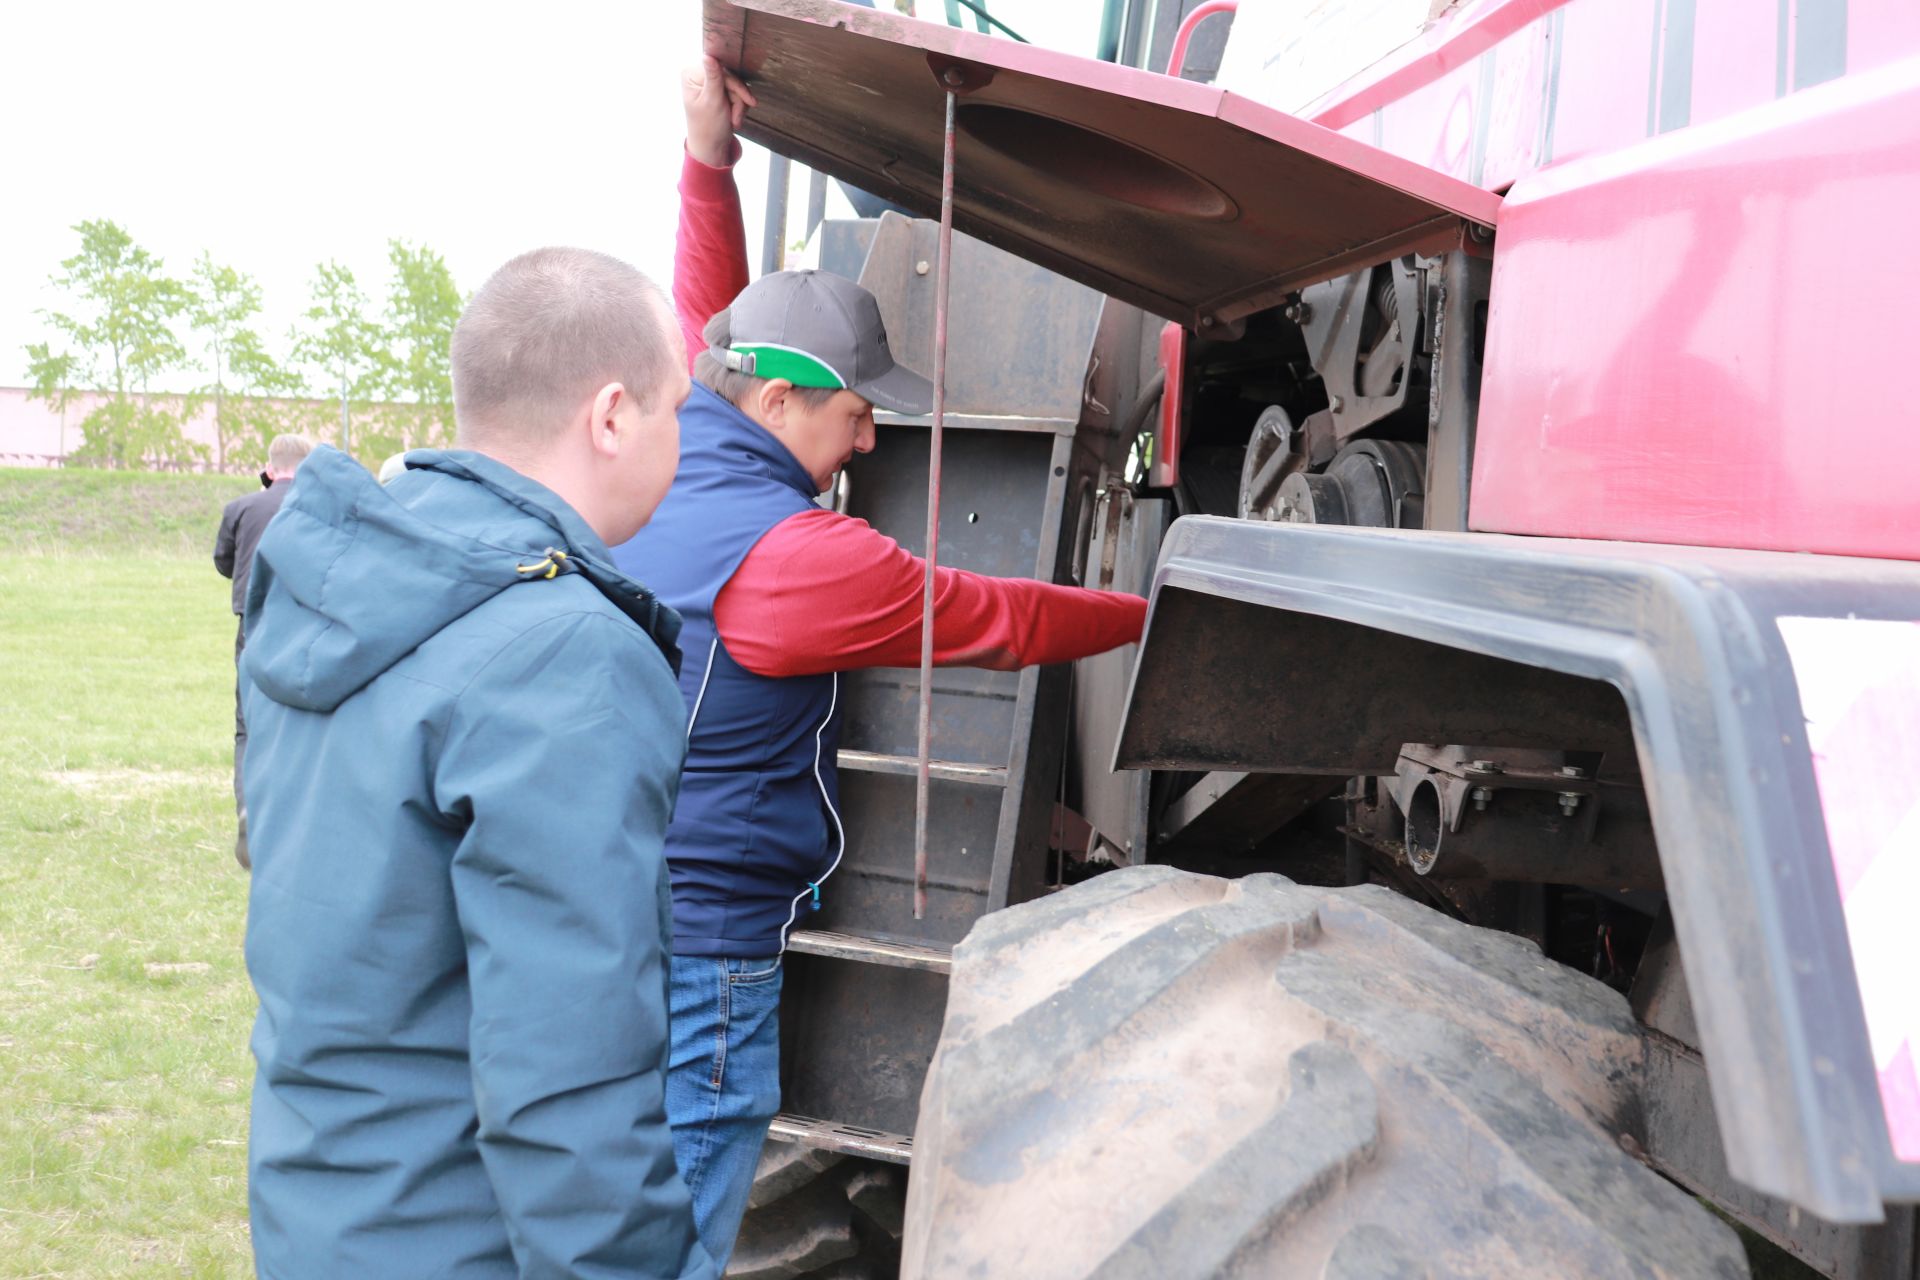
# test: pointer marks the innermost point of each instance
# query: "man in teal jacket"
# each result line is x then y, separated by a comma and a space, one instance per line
466, 740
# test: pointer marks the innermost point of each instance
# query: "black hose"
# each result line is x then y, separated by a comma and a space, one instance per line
980, 10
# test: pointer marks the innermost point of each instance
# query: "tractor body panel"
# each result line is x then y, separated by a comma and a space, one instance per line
1490, 90
1691, 340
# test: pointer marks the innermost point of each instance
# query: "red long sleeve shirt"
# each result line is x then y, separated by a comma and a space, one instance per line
710, 251
825, 592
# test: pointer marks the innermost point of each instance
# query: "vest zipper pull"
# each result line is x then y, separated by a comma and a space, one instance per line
816, 895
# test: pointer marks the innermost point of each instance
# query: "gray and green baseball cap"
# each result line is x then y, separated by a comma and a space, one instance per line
816, 329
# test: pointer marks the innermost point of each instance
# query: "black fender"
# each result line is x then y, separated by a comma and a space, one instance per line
1293, 648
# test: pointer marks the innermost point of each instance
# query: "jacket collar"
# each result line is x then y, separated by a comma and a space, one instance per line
584, 552
523, 493
738, 443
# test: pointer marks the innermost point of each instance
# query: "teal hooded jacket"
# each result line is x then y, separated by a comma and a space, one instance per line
465, 738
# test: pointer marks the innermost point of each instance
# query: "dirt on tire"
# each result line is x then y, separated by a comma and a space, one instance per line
1157, 1074
819, 1215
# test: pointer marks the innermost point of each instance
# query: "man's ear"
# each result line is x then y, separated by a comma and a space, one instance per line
771, 399
603, 428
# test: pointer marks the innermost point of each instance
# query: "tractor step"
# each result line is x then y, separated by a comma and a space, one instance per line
848, 1139
986, 775
872, 950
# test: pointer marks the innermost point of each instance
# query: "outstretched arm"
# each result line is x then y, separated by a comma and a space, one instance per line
825, 592
710, 253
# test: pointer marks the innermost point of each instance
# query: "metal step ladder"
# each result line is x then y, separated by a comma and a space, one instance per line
865, 990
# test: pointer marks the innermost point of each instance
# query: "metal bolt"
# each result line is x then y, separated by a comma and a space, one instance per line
1299, 313
1569, 801
1479, 233
1335, 404
1485, 766
1572, 771
1481, 797
953, 77
921, 267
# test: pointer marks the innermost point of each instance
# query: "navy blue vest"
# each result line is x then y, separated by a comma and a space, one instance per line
757, 827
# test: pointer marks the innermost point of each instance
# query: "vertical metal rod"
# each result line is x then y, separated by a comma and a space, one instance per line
940, 282
816, 202
1133, 33
773, 235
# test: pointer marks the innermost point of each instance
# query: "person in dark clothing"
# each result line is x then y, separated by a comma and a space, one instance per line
241, 524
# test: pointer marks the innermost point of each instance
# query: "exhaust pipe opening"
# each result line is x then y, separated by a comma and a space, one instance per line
1424, 828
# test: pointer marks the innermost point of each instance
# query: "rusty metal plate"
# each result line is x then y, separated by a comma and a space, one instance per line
1189, 201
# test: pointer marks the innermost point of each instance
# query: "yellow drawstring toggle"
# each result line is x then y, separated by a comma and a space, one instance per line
551, 564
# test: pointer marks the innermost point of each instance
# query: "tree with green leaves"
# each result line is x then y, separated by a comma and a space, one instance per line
267, 399
337, 337
118, 337
247, 381
54, 376
423, 305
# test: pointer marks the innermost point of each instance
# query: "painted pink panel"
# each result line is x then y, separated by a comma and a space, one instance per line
1734, 48
1451, 41
1520, 66
1859, 685
1605, 59
1434, 125
1697, 340
1435, 115
1607, 52
1881, 31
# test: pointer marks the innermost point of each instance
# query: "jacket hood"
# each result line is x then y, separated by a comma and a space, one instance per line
351, 577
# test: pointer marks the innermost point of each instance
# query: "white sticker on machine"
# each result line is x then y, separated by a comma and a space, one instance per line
1860, 691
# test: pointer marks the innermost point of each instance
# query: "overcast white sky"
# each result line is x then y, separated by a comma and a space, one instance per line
278, 136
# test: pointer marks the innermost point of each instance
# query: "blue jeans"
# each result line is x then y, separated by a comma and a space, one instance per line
723, 1085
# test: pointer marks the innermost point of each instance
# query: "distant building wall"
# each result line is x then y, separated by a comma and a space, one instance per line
32, 434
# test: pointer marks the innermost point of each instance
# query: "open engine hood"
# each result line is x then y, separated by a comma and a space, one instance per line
1186, 200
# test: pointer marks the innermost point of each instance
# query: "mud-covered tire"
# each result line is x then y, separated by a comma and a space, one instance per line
1157, 1074
820, 1215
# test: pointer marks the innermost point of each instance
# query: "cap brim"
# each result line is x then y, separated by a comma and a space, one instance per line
899, 389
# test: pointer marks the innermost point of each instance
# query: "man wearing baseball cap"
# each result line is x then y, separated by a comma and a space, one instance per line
779, 596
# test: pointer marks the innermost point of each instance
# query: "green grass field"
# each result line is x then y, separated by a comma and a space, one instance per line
124, 1004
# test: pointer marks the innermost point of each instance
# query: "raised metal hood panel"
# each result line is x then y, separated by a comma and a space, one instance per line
1181, 198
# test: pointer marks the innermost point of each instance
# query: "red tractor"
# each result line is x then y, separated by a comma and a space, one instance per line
1505, 842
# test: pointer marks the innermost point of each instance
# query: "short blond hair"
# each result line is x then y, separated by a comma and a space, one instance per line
287, 452
547, 330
